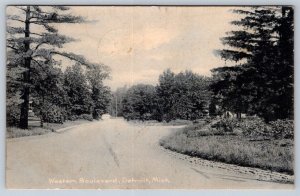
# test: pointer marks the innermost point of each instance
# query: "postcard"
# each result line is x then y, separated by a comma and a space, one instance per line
149, 97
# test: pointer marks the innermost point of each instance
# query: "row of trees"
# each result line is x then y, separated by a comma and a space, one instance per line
177, 96
71, 94
34, 74
261, 81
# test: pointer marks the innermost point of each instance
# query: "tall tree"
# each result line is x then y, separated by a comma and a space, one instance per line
260, 78
13, 92
140, 102
100, 94
78, 91
183, 96
231, 89
286, 59
191, 96
165, 90
48, 93
33, 39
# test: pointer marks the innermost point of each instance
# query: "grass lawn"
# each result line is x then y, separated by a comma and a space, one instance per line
35, 129
275, 155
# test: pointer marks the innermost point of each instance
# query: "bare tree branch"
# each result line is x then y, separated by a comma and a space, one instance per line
36, 34
12, 47
20, 8
38, 45
15, 19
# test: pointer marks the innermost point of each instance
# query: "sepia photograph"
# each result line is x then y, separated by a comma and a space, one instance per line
149, 97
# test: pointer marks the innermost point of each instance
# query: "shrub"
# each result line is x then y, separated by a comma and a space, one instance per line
279, 129
88, 117
226, 125
283, 129
255, 127
13, 110
206, 119
12, 115
146, 116
73, 117
97, 113
251, 127
53, 115
49, 112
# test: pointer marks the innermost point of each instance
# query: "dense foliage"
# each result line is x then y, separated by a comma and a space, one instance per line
183, 96
140, 102
177, 96
35, 76
261, 82
255, 128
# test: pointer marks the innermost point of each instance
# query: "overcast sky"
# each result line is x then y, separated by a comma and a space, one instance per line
138, 43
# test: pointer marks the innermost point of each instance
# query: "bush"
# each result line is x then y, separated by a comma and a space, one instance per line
146, 116
49, 112
206, 119
251, 127
255, 127
283, 129
13, 110
53, 115
131, 116
226, 125
73, 117
97, 113
88, 117
12, 115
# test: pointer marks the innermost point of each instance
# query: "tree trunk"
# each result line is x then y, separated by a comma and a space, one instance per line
42, 110
239, 115
42, 122
26, 76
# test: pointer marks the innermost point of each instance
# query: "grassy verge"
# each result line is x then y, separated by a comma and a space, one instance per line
275, 155
14, 132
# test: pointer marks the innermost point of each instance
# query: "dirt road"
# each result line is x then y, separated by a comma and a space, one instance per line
113, 154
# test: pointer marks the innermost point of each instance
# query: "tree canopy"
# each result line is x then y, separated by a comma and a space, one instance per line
177, 96
33, 42
261, 81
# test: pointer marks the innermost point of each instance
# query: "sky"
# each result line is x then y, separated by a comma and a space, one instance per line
138, 43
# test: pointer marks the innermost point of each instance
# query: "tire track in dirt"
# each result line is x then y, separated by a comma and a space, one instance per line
111, 151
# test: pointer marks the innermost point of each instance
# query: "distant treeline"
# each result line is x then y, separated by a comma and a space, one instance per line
260, 80
177, 96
